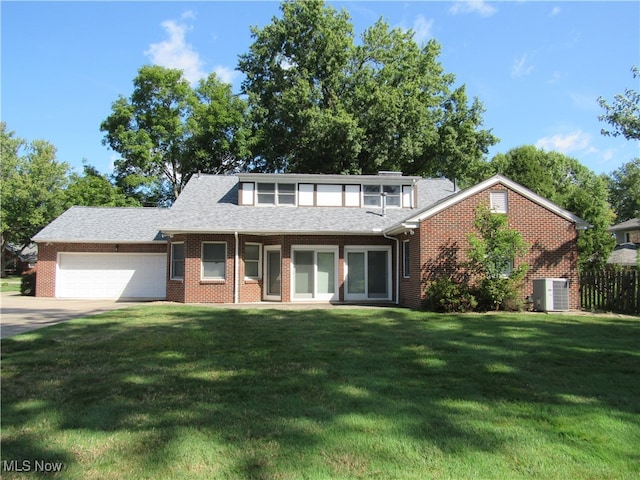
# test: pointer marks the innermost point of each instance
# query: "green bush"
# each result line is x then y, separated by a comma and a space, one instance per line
498, 294
447, 296
28, 283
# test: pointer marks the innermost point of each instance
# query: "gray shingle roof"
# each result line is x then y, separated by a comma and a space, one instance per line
105, 225
209, 204
633, 224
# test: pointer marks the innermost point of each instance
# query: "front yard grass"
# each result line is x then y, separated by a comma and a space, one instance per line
164, 392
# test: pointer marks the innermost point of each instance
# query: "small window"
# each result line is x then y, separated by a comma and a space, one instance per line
267, 193
372, 195
214, 260
177, 261
252, 260
406, 262
498, 201
276, 193
393, 195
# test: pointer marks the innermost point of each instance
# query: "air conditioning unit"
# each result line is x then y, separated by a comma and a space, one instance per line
551, 294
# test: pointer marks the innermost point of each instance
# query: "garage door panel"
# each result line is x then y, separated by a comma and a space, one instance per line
111, 275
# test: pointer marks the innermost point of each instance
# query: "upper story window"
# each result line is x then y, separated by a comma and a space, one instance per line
372, 195
498, 201
329, 194
276, 193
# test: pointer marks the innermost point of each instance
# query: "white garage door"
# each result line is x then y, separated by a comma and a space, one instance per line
111, 275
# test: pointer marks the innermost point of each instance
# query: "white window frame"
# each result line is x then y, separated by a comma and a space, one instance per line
172, 276
276, 194
315, 296
259, 260
406, 259
499, 201
366, 249
382, 188
202, 261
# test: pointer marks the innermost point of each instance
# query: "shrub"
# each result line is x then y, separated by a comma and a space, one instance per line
498, 294
447, 296
28, 283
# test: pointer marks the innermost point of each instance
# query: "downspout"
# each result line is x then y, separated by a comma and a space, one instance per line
397, 302
236, 269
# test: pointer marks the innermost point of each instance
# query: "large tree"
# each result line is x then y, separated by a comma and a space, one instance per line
624, 114
568, 183
624, 191
92, 188
167, 131
33, 187
322, 104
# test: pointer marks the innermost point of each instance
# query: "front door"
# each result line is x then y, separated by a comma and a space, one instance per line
272, 268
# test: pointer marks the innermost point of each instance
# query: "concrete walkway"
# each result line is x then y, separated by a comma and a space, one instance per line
20, 314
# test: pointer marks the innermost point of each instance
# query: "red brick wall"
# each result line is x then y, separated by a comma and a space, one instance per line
443, 244
194, 290
48, 257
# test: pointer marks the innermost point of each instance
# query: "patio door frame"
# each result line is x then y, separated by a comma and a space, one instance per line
271, 249
315, 295
365, 249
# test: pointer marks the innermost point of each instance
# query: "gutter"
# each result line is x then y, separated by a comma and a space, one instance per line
397, 302
236, 268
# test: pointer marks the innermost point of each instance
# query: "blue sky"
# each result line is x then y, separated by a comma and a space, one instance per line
538, 67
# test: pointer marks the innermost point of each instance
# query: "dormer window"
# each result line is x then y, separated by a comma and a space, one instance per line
276, 193
372, 195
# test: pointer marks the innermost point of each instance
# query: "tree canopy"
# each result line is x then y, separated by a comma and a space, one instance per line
624, 191
167, 131
92, 188
33, 183
320, 103
624, 114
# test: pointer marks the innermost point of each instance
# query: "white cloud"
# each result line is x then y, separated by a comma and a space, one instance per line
554, 11
422, 29
577, 141
473, 6
175, 52
226, 74
521, 67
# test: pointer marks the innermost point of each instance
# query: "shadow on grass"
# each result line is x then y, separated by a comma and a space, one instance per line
305, 381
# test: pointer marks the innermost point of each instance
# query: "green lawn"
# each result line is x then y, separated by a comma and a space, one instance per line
10, 284
198, 393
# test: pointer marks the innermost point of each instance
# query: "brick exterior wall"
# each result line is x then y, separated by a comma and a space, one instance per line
443, 244
192, 289
48, 258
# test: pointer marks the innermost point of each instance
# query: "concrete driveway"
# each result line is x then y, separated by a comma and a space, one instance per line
20, 314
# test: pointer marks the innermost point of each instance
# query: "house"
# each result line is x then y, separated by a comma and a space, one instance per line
627, 243
19, 258
296, 238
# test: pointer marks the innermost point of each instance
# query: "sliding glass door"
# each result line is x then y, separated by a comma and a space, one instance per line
314, 273
368, 273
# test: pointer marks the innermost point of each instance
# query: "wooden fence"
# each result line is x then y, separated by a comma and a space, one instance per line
614, 291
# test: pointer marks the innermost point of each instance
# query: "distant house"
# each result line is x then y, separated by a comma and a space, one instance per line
18, 258
296, 238
627, 243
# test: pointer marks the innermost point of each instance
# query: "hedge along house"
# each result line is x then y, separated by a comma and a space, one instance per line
297, 238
